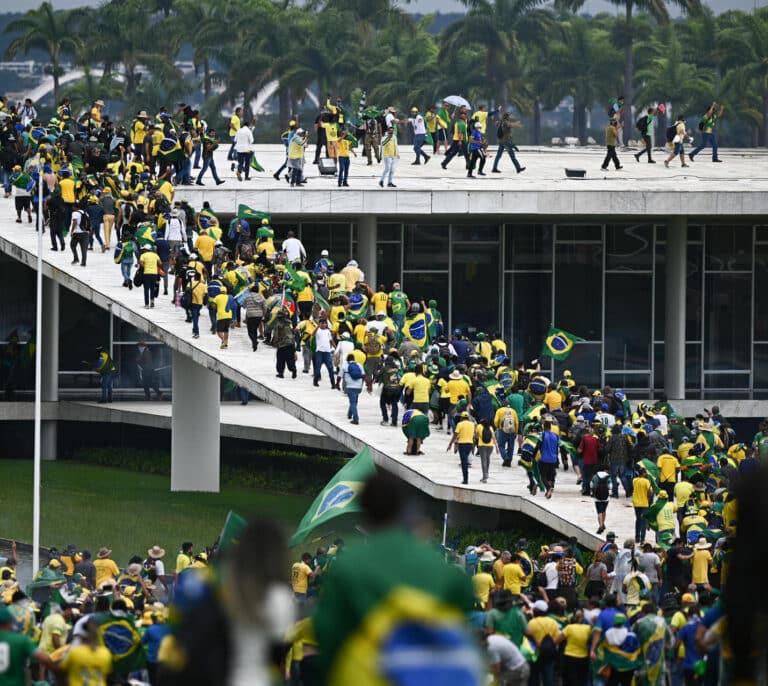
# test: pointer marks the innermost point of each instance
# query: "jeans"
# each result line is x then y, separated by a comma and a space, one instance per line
185, 175
343, 170
323, 359
617, 474
353, 394
611, 156
125, 270
542, 672
456, 148
389, 169
244, 163
465, 450
641, 524
418, 143
232, 155
647, 149
198, 150
96, 234
506, 445
509, 148
82, 239
389, 399
587, 472
208, 163
195, 310
252, 324
485, 458
706, 139
150, 281
107, 379
5, 176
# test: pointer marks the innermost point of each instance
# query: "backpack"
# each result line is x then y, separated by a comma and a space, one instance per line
642, 125
391, 379
500, 131
354, 370
702, 124
444, 351
601, 489
372, 344
671, 133
566, 572
186, 298
508, 422
85, 221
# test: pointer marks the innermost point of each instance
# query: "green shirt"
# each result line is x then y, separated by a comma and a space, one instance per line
649, 125
15, 650
399, 302
511, 624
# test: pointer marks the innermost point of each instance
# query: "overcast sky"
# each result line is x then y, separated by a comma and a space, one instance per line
592, 6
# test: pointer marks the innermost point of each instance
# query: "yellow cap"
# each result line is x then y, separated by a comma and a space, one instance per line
687, 598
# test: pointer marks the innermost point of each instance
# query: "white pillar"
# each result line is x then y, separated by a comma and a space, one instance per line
50, 365
194, 427
674, 326
366, 248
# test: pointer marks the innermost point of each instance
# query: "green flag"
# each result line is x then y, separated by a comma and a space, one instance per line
653, 473
340, 496
245, 212
559, 344
120, 637
234, 525
255, 164
294, 280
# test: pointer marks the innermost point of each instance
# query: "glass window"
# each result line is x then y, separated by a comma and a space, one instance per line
579, 289
471, 232
18, 312
760, 371
727, 324
528, 305
580, 232
633, 382
695, 232
761, 234
82, 326
628, 321
692, 366
693, 293
629, 246
128, 333
726, 381
335, 238
389, 232
476, 286
660, 291
131, 376
761, 292
585, 364
420, 286
528, 246
425, 246
387, 263
729, 248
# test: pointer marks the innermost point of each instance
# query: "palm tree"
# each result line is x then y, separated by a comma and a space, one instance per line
659, 11
47, 30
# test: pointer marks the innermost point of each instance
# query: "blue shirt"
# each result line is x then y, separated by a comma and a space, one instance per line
463, 349
605, 619
163, 248
549, 447
688, 637
477, 140
152, 638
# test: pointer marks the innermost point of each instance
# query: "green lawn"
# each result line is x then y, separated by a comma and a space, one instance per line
128, 512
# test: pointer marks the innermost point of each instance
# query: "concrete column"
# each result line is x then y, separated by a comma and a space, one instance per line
194, 427
50, 365
674, 324
366, 248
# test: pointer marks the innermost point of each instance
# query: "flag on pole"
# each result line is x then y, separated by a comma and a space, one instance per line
340, 496
234, 525
245, 212
558, 344
293, 279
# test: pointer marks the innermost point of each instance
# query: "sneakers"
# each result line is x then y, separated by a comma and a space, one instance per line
666, 163
381, 183
496, 171
239, 176
427, 159
686, 165
218, 183
276, 176
384, 422
232, 167
521, 170
391, 185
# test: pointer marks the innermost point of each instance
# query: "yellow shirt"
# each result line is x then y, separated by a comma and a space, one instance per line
67, 187
457, 388
343, 146
665, 518
498, 571
668, 466
466, 431
53, 625
379, 302
483, 584
359, 356
87, 666
300, 573
479, 436
683, 491
204, 246
151, 262
641, 491
543, 626
576, 640
422, 387
331, 132
221, 301
198, 293
700, 566
157, 138
105, 569
498, 419
514, 578
182, 562
553, 400
234, 125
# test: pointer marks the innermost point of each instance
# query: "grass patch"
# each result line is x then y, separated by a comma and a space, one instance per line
128, 511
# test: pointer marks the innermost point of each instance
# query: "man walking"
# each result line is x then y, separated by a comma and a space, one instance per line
611, 139
459, 144
642, 497
285, 342
243, 148
210, 143
707, 127
550, 451
645, 127
323, 352
234, 127
506, 125
419, 135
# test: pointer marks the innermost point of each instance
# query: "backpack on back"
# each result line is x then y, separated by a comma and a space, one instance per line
642, 125
372, 344
355, 371
671, 133
702, 124
601, 489
391, 379
508, 422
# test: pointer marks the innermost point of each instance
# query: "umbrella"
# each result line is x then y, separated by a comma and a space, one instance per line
458, 101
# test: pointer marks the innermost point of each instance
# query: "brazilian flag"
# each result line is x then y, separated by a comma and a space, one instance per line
652, 470
234, 525
120, 637
206, 219
245, 212
559, 344
415, 329
340, 496
293, 279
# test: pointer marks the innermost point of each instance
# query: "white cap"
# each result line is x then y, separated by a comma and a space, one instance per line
541, 606
324, 253
478, 125
300, 131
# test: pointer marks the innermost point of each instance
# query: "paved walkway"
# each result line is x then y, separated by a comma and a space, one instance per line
437, 472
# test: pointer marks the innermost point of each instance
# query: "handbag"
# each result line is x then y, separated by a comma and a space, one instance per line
138, 277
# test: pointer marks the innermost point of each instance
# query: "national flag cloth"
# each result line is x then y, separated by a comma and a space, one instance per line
559, 344
255, 164
534, 413
652, 633
293, 280
341, 495
245, 212
120, 637
652, 472
415, 329
234, 525
206, 218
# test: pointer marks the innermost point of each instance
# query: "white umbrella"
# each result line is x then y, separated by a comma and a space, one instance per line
458, 101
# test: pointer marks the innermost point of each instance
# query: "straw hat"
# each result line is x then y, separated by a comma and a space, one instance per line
156, 552
455, 375
104, 552
702, 544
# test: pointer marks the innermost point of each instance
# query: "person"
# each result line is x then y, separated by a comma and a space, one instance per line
80, 234
284, 340
106, 568
224, 311
323, 352
485, 441
353, 376
17, 649
301, 575
55, 627
87, 570
106, 369
622, 652
549, 449
477, 144
183, 558
507, 663
507, 424
255, 309
645, 127
642, 497
390, 155
588, 449
150, 264
210, 143
611, 140
595, 579
243, 143
419, 135
294, 249
459, 142
152, 640
678, 142
545, 633
601, 494
389, 378
199, 292
415, 426
506, 143
234, 127
344, 149
371, 138
88, 663
686, 638
700, 563
463, 439
575, 664
707, 128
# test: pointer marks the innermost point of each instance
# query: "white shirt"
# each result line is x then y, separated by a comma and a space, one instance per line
243, 139
379, 327
502, 651
418, 124
349, 382
159, 568
345, 346
389, 118
175, 230
75, 227
550, 569
323, 341
294, 249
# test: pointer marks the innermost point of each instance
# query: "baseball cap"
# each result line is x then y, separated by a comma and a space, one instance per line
687, 598
541, 606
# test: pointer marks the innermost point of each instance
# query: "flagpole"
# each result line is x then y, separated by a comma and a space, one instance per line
445, 527
38, 377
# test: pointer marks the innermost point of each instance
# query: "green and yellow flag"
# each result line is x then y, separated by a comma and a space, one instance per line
558, 344
234, 525
245, 212
120, 637
294, 280
340, 496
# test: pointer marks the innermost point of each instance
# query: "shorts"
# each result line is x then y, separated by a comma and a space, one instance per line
222, 325
679, 149
601, 506
442, 135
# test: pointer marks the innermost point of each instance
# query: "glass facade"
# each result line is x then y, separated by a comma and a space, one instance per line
603, 282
